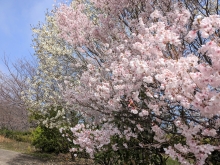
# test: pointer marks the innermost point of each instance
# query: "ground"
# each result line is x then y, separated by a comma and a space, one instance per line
20, 153
15, 158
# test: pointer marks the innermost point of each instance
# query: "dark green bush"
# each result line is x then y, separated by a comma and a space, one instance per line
49, 140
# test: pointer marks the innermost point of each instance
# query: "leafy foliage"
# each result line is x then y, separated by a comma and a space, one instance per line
49, 140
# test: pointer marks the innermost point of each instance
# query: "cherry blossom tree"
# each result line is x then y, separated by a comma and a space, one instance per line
145, 77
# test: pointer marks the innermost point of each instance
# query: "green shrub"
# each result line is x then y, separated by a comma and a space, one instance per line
49, 140
22, 136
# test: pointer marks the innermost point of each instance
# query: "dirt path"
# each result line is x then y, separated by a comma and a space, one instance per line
8, 157
14, 158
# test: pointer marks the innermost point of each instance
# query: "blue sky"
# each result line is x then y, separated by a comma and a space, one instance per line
16, 16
